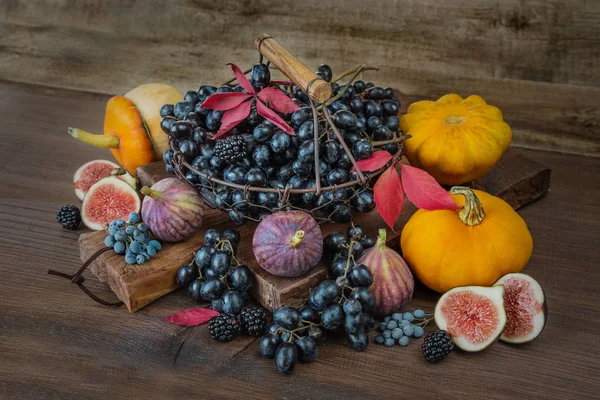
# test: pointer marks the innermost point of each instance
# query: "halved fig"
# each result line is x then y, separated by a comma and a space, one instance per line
92, 171
526, 309
473, 316
107, 200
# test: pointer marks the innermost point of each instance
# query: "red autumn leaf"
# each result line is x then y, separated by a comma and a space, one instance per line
377, 160
274, 118
191, 316
278, 100
389, 196
233, 117
239, 107
241, 78
225, 101
424, 191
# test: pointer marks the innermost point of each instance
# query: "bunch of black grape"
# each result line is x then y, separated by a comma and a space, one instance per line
293, 335
216, 275
342, 305
259, 154
352, 305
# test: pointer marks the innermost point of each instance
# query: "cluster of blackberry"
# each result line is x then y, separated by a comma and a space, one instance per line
250, 321
257, 153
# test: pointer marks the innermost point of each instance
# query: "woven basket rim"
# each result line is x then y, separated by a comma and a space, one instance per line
398, 155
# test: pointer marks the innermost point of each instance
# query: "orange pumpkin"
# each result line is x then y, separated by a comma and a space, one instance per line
456, 140
132, 126
475, 246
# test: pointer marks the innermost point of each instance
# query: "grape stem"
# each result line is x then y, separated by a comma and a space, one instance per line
347, 267
193, 264
399, 139
350, 257
221, 246
356, 71
423, 323
293, 331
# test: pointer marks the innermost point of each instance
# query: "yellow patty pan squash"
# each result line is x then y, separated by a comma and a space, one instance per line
474, 246
456, 140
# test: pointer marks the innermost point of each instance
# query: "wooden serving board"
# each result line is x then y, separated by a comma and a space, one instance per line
138, 285
516, 179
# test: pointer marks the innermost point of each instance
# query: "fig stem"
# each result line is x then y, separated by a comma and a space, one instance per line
297, 239
380, 245
146, 191
103, 141
118, 171
472, 212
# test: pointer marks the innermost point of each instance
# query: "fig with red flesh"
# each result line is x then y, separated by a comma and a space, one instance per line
288, 243
107, 200
473, 316
92, 171
526, 309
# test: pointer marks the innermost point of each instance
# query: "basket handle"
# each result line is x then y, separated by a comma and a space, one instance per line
318, 89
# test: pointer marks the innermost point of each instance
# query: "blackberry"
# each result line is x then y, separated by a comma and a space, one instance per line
254, 321
223, 327
69, 217
436, 346
230, 149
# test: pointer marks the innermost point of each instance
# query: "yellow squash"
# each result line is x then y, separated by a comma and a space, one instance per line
475, 246
456, 140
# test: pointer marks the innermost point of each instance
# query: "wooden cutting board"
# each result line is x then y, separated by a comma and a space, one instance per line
515, 178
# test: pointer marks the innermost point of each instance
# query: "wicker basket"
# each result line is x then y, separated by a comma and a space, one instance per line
320, 96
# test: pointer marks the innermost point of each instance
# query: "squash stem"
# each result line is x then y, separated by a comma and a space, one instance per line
103, 141
297, 239
155, 194
380, 245
472, 212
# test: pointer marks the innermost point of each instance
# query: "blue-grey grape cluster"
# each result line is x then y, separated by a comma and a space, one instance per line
343, 305
399, 327
216, 275
132, 239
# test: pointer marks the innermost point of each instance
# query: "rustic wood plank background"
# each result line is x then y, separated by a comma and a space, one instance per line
537, 60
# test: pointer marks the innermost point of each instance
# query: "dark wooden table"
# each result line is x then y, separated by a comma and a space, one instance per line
55, 343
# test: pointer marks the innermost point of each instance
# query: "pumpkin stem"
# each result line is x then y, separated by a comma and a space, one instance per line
454, 120
155, 194
103, 141
297, 239
380, 245
472, 212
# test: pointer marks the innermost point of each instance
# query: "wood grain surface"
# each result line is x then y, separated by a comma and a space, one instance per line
55, 343
538, 60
